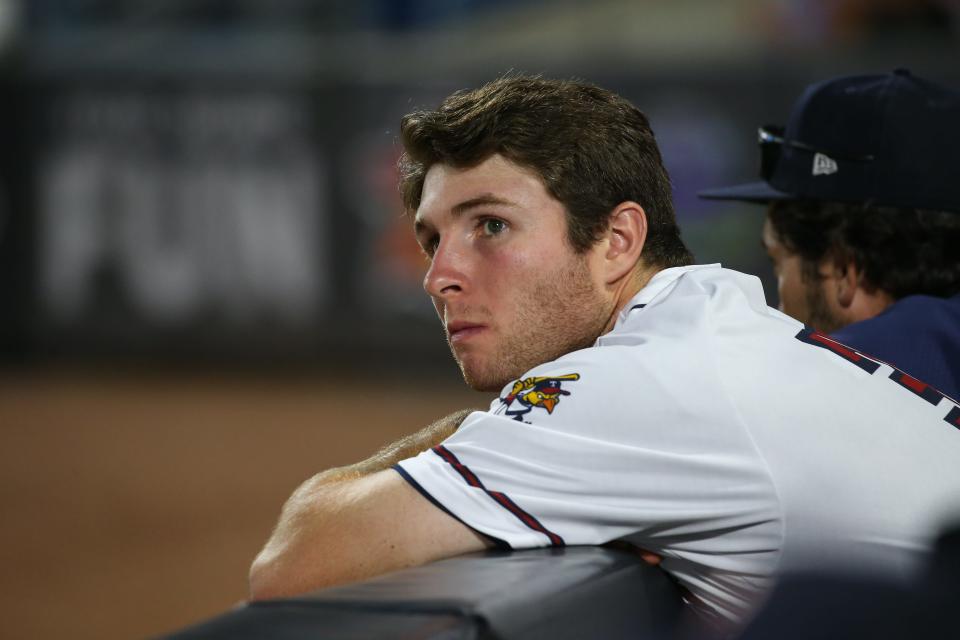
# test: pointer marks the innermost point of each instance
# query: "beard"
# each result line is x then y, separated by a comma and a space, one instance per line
559, 312
819, 314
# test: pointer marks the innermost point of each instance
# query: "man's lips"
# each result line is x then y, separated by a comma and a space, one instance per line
459, 331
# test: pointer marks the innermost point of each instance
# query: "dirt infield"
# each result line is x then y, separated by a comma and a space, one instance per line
133, 505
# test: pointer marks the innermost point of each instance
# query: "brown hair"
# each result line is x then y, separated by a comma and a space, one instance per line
902, 251
592, 149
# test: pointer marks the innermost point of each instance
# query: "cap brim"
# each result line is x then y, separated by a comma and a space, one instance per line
750, 192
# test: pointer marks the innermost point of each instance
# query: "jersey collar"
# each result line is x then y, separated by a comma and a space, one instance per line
659, 283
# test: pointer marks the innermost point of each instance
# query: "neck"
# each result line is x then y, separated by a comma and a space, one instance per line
626, 288
867, 303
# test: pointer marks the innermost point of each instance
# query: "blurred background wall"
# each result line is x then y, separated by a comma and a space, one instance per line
207, 290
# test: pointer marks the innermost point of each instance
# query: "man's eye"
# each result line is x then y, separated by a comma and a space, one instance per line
492, 226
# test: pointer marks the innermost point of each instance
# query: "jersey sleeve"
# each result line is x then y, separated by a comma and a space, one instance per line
593, 447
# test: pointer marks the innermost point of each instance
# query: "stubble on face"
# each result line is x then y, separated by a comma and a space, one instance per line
801, 286
556, 313
818, 314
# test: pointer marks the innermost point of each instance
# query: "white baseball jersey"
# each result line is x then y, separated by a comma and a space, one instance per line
716, 432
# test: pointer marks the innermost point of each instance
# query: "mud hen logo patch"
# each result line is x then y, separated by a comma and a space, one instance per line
541, 392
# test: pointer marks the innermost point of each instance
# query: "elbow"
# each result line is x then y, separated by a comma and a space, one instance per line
267, 579
281, 573
261, 585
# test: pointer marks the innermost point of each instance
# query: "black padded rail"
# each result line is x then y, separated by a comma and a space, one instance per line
577, 592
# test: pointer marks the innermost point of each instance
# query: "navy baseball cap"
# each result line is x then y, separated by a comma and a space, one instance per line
891, 139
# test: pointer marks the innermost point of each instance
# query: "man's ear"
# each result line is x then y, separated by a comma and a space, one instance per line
852, 296
626, 235
845, 278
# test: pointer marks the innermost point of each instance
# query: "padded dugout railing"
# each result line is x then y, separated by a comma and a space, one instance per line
577, 592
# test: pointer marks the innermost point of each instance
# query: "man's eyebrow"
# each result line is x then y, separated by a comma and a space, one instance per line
480, 201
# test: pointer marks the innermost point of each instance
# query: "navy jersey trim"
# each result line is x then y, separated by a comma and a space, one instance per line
953, 418
922, 389
503, 545
500, 498
817, 339
908, 382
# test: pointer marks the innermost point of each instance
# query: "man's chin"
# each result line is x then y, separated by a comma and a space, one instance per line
479, 379
483, 383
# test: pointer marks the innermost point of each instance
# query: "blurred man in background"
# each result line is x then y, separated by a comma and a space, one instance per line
863, 219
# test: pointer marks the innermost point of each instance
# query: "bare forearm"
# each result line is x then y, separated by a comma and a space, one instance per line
314, 542
404, 448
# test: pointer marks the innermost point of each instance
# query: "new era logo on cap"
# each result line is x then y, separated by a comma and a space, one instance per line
823, 165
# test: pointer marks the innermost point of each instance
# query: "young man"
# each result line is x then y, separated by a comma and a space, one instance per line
863, 226
640, 398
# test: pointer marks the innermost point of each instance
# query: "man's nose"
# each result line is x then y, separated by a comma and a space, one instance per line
447, 273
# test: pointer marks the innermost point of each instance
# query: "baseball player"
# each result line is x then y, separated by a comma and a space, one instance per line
863, 222
640, 398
